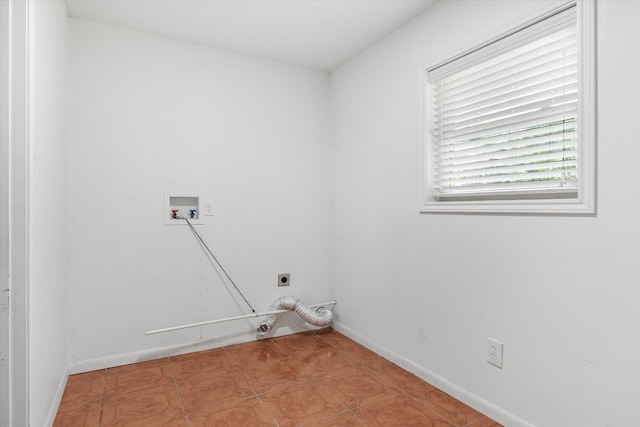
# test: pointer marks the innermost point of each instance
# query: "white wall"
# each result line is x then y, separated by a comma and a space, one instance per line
560, 292
149, 114
48, 248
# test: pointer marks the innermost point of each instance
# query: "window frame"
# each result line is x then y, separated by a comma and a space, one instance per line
585, 202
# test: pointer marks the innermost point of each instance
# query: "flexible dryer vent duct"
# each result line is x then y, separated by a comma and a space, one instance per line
322, 316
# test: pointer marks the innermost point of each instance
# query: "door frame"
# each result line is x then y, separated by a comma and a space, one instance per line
14, 212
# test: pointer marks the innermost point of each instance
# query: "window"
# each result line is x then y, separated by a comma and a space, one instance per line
510, 125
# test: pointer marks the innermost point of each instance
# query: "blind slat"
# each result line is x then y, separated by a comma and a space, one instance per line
537, 66
539, 83
510, 107
475, 160
535, 117
521, 138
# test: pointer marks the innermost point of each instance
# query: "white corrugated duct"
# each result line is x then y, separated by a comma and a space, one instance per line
321, 316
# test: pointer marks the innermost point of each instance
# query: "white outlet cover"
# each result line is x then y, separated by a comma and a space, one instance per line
208, 208
494, 352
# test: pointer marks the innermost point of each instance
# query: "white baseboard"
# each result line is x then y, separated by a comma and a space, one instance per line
284, 327
151, 354
57, 398
489, 409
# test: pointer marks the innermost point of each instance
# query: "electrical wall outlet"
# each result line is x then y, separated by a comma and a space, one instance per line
494, 352
284, 279
208, 208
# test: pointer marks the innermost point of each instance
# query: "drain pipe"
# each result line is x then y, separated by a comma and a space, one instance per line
322, 316
228, 319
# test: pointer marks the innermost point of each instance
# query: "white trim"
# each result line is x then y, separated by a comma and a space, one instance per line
5, 259
151, 354
487, 408
57, 398
285, 328
14, 146
587, 30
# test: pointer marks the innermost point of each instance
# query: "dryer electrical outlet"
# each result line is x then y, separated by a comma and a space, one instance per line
284, 279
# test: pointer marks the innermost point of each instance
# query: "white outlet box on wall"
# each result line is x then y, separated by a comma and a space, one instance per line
494, 352
187, 204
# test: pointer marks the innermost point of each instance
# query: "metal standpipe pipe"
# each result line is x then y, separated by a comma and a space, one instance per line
321, 316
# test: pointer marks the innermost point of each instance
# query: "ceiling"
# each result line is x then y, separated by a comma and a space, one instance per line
318, 34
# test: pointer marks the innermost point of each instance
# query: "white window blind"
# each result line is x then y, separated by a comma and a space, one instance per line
503, 119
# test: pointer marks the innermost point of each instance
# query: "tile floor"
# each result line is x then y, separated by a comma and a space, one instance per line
311, 379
